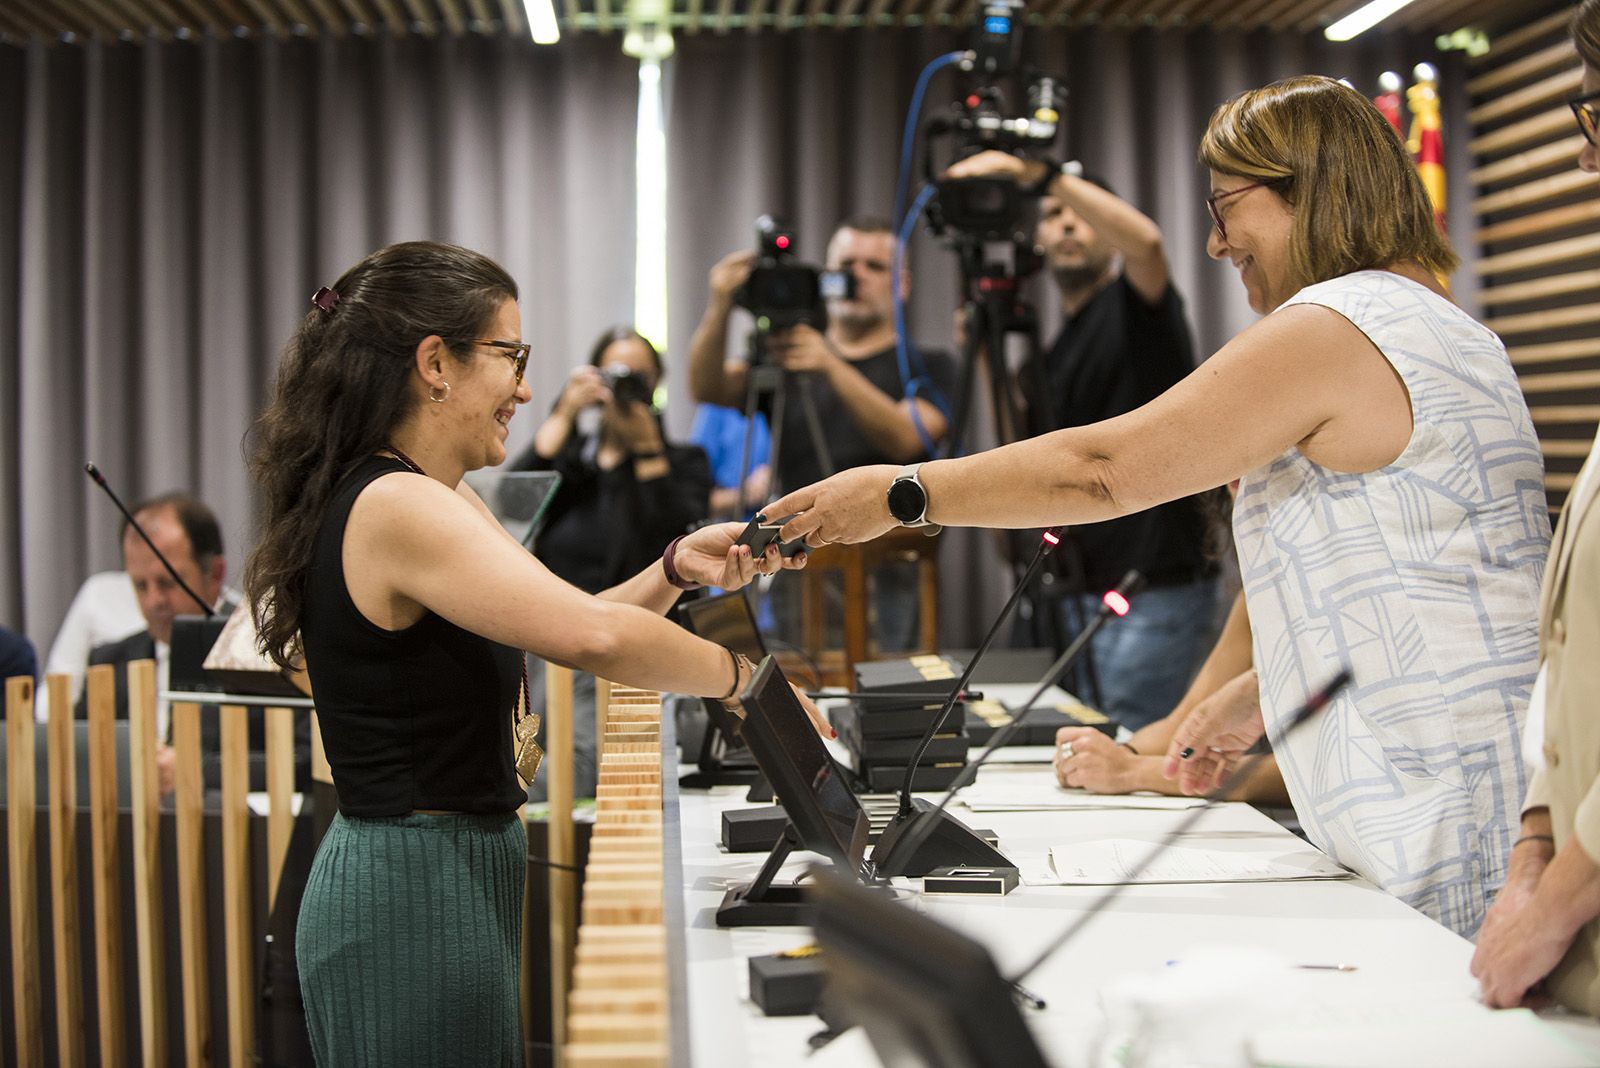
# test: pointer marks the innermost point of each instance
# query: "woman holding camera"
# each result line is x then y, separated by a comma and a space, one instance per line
624, 490
409, 603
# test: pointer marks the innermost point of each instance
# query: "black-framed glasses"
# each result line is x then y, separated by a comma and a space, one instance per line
1588, 116
1211, 203
515, 351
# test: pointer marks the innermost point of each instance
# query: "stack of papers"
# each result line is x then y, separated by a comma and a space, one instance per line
1271, 858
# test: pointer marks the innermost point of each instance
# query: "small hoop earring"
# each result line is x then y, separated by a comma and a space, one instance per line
435, 389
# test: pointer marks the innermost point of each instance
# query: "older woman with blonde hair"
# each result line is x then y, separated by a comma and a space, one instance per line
1545, 926
1390, 518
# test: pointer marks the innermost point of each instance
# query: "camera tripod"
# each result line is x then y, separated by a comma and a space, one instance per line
767, 383
994, 313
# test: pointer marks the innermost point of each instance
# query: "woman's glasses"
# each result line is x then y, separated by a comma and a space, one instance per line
1216, 216
515, 351
1588, 117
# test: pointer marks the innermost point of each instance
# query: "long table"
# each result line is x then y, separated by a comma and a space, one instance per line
1402, 959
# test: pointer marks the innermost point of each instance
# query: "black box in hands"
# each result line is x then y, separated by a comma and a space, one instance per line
929, 674
787, 984
753, 830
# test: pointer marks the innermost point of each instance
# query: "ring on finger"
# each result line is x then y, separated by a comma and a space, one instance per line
1065, 749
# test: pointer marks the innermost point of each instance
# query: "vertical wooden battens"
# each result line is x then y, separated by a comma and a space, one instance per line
101, 687
23, 855
190, 821
63, 773
238, 952
280, 794
143, 743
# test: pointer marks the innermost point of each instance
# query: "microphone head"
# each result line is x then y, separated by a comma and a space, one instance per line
94, 473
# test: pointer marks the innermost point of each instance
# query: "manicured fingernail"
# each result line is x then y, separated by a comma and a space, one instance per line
832, 733
1188, 751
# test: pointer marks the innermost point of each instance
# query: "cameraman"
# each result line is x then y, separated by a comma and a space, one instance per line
852, 373
624, 490
1124, 341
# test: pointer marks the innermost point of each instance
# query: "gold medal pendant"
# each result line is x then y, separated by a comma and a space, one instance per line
529, 753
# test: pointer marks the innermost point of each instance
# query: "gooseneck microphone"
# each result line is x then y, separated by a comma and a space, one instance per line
900, 848
100, 480
1047, 544
1318, 700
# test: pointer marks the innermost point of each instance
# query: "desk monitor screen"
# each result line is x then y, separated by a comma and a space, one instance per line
926, 994
728, 621
813, 790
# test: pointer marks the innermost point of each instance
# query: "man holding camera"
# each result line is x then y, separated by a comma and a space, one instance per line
1124, 341
849, 369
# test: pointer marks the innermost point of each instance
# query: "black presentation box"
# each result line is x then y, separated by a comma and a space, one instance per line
945, 746
984, 718
929, 674
887, 777
753, 830
872, 721
785, 984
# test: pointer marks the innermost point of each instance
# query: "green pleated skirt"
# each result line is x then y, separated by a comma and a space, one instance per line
409, 938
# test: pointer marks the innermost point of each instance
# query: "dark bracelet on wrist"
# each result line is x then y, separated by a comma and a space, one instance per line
1535, 838
739, 664
671, 569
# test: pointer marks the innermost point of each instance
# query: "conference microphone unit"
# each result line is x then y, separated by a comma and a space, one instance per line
1313, 704
100, 480
923, 836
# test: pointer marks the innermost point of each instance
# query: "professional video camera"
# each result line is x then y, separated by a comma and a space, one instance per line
627, 386
990, 209
781, 293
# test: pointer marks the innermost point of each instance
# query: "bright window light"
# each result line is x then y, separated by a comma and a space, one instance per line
542, 21
1363, 19
650, 208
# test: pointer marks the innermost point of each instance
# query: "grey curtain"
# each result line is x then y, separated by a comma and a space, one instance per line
809, 124
166, 210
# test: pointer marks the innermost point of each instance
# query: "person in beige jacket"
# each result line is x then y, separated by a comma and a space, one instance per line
1545, 925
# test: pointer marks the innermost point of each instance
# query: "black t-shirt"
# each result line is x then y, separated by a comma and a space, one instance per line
605, 526
848, 446
1115, 355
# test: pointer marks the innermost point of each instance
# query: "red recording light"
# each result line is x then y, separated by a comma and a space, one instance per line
1050, 538
1116, 602
974, 100
781, 242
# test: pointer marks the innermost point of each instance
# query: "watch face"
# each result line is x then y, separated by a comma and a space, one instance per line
907, 501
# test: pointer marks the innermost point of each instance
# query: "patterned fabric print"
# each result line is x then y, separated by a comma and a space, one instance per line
1423, 577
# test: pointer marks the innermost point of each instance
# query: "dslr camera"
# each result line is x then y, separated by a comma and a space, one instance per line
781, 292
627, 386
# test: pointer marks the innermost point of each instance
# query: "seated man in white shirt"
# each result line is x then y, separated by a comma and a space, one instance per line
188, 534
103, 610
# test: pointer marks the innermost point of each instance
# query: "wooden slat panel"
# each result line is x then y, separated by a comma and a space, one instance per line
1554, 351
1506, 44
392, 16
1558, 482
1535, 192
238, 945
1544, 61
422, 17
22, 838
1562, 153
1566, 413
147, 918
192, 934
454, 21
1547, 255
511, 15
1557, 319
1566, 448
101, 687
1558, 285
1560, 381
280, 794
1587, 211
1545, 91
1529, 131
63, 771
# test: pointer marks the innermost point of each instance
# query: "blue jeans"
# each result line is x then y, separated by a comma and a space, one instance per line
1145, 660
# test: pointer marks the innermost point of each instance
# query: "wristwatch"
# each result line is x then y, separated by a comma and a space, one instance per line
908, 500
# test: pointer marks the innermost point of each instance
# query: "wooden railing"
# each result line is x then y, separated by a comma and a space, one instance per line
151, 914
